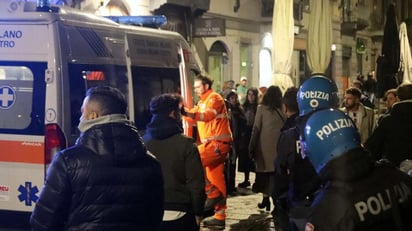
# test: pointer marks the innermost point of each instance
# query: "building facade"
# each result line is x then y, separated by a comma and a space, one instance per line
233, 38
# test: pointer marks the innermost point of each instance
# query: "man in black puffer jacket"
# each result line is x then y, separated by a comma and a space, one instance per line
107, 181
180, 160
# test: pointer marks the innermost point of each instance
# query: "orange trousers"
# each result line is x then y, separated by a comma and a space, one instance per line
213, 155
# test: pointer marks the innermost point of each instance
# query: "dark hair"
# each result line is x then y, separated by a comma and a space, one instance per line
230, 94
205, 80
354, 91
164, 104
404, 91
109, 99
248, 104
290, 99
272, 98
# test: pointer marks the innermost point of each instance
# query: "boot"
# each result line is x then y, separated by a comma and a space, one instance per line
215, 223
265, 204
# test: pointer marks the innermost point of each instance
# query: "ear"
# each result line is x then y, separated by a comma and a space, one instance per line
92, 115
172, 114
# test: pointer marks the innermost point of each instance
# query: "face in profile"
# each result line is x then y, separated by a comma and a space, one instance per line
199, 88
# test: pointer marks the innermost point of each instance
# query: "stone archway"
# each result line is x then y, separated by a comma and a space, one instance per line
217, 64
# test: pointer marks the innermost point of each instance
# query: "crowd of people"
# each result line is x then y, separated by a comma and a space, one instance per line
322, 166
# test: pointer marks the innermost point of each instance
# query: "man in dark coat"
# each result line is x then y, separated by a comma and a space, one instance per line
357, 194
107, 181
392, 139
181, 165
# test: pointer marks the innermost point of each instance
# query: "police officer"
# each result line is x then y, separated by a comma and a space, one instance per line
357, 194
295, 178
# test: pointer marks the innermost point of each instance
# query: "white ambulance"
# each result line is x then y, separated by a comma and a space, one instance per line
48, 60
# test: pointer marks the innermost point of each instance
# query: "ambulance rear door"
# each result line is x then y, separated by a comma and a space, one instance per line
24, 54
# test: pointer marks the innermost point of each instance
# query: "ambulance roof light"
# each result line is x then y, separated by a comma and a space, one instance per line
153, 21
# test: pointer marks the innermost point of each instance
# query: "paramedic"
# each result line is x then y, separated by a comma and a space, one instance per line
215, 136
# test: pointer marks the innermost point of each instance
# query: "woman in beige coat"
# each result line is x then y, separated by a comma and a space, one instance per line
262, 146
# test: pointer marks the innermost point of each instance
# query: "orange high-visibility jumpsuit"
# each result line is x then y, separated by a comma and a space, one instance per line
215, 137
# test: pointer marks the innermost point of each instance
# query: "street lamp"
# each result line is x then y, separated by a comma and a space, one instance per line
333, 49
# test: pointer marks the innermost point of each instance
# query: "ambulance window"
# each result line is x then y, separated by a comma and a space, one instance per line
147, 83
16, 97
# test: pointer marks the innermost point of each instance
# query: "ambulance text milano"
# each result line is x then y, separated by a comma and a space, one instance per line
7, 37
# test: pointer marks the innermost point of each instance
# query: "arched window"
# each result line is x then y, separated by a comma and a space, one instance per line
265, 61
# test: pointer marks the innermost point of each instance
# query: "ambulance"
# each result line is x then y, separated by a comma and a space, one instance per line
48, 60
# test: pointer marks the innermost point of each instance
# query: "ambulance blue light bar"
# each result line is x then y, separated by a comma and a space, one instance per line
153, 21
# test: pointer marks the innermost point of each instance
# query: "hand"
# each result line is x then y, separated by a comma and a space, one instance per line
198, 220
183, 111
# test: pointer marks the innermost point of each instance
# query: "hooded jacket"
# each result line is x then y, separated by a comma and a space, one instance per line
181, 165
107, 181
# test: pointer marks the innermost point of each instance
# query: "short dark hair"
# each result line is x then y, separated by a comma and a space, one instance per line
404, 91
164, 104
354, 91
109, 99
230, 94
205, 80
290, 99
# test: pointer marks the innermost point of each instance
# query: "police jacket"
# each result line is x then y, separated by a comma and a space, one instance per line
181, 166
294, 176
358, 195
107, 181
392, 138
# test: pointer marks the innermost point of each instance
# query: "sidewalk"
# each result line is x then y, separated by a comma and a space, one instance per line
242, 211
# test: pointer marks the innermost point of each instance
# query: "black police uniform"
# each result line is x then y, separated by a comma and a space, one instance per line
295, 179
360, 195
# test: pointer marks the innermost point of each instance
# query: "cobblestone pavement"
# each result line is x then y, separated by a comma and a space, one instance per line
242, 211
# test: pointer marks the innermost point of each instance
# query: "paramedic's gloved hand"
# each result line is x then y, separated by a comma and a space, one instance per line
183, 111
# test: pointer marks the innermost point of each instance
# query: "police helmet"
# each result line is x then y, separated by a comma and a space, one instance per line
328, 134
317, 92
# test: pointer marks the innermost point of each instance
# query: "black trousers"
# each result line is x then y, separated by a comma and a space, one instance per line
230, 173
